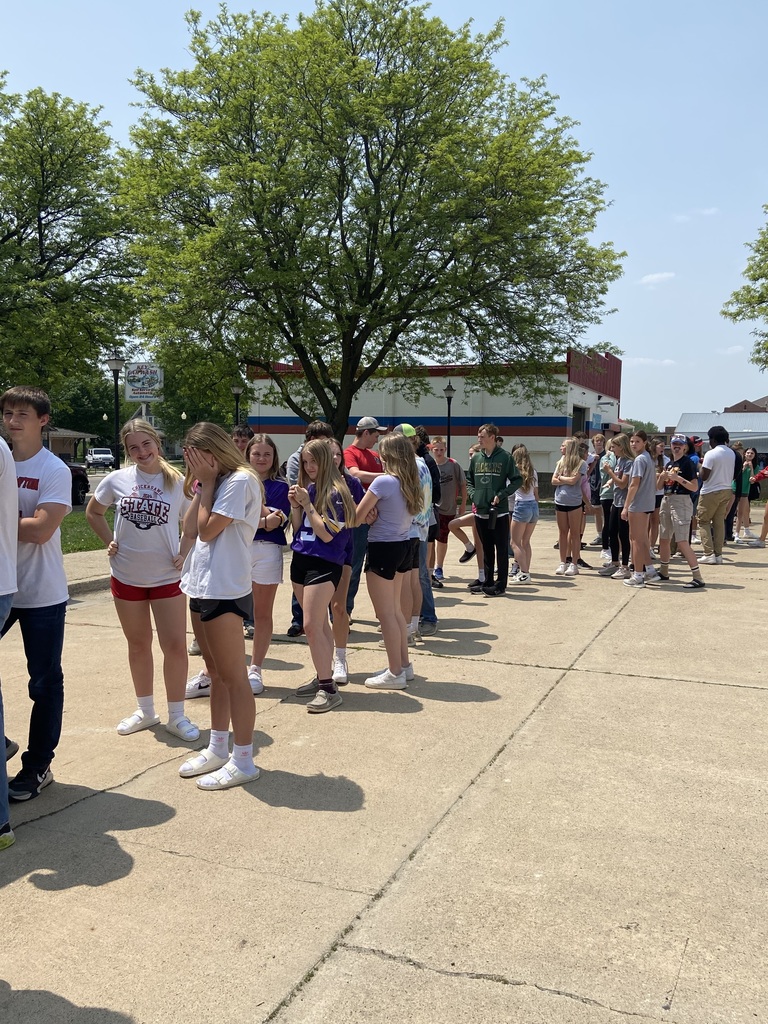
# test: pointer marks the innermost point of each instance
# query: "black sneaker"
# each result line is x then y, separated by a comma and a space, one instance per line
494, 591
474, 584
29, 783
582, 564
467, 555
11, 748
436, 583
295, 629
477, 587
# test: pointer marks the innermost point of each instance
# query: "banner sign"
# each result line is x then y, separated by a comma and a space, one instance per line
143, 383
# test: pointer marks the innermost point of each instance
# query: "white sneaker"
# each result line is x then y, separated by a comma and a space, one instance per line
571, 569
560, 570
608, 569
710, 559
748, 533
622, 573
605, 555
387, 680
194, 646
340, 671
254, 678
695, 538
597, 540
408, 669
198, 686
522, 577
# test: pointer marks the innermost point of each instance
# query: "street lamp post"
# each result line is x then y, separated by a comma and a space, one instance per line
237, 390
116, 363
449, 391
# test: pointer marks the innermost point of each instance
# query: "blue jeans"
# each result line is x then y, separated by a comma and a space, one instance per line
5, 606
42, 632
297, 613
428, 613
358, 557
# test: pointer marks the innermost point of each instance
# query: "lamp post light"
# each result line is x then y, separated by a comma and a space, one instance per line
449, 391
237, 390
116, 363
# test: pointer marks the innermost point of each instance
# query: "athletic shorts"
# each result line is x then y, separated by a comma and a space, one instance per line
567, 508
311, 571
658, 500
675, 517
209, 610
525, 512
386, 558
432, 532
127, 592
442, 527
266, 563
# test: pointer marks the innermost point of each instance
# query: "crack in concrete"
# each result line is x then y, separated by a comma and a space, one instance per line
498, 979
667, 1004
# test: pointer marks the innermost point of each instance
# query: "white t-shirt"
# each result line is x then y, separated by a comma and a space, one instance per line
42, 480
9, 521
521, 495
220, 569
722, 461
147, 518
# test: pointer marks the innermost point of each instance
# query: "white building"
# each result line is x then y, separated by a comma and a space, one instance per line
591, 402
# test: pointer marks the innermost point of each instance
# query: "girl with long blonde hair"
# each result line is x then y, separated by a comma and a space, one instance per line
322, 514
569, 502
222, 519
146, 558
525, 514
389, 505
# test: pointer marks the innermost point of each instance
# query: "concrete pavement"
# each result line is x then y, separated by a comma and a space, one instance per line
563, 819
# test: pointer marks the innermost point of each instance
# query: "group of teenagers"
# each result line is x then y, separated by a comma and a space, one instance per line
211, 541
640, 495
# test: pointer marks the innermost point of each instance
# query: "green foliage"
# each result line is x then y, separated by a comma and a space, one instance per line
750, 302
359, 196
76, 534
647, 425
63, 269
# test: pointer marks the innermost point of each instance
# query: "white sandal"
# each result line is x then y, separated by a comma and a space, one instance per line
202, 764
184, 729
136, 722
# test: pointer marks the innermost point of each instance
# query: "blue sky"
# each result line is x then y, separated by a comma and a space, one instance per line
671, 102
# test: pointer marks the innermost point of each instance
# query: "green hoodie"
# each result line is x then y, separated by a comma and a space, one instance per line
488, 476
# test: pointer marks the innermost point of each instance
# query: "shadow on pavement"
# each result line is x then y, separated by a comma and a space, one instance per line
57, 859
319, 792
35, 1006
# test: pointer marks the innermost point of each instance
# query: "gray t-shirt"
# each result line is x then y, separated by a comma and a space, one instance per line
623, 466
645, 498
394, 519
571, 494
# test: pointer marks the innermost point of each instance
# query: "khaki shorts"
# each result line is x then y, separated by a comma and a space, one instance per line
675, 517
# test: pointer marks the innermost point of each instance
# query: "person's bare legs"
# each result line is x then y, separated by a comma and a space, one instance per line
170, 615
386, 596
137, 628
263, 604
314, 600
231, 696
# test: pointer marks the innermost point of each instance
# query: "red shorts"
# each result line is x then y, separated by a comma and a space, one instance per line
126, 592
443, 533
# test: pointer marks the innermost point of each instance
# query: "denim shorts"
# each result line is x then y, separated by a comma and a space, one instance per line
525, 512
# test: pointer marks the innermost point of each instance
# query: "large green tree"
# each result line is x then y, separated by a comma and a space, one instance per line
750, 302
63, 267
358, 196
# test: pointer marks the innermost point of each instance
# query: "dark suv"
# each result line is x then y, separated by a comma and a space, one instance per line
80, 483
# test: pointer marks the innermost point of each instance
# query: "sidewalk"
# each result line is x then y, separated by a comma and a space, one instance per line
562, 819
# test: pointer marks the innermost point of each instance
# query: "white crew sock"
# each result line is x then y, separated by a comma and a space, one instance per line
243, 758
147, 706
175, 710
219, 742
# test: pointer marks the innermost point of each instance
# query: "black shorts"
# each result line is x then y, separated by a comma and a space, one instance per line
386, 558
433, 533
310, 571
658, 500
567, 508
209, 610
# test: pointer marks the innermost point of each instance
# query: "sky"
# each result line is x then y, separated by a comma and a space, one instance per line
670, 99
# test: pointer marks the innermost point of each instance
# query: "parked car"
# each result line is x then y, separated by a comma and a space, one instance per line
99, 457
80, 483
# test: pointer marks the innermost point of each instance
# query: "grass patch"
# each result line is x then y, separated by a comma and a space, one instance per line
76, 534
